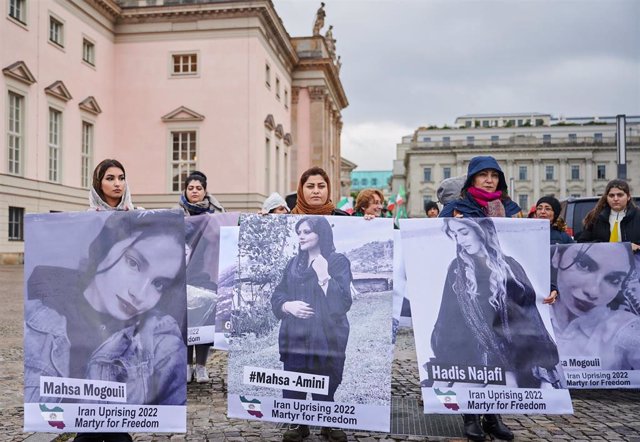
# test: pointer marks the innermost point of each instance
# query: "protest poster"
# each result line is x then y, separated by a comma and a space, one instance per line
596, 318
105, 322
484, 339
202, 238
227, 284
401, 305
311, 340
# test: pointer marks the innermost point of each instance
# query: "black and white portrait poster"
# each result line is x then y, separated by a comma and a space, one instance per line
596, 318
105, 322
311, 337
227, 284
202, 236
484, 339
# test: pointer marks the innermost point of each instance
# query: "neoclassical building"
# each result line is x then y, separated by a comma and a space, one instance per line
166, 87
540, 155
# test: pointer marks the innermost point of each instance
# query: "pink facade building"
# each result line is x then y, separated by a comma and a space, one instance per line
166, 87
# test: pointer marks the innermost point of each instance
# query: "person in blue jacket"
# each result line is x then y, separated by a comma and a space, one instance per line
484, 194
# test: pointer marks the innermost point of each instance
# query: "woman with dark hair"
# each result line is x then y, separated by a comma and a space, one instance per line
431, 209
195, 200
489, 298
483, 194
313, 197
314, 194
312, 301
614, 218
109, 190
125, 292
548, 207
122, 292
597, 315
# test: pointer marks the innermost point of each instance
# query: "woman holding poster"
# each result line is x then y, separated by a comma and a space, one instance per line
195, 200
592, 318
313, 298
484, 194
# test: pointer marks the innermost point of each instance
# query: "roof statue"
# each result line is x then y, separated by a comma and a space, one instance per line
319, 23
330, 41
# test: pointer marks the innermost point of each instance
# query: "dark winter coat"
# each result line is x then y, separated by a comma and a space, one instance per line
467, 205
600, 230
520, 343
559, 237
316, 345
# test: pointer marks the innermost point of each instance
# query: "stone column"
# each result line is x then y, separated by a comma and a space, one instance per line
536, 179
588, 176
562, 178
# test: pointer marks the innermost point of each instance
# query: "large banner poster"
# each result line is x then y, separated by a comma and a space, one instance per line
401, 306
202, 236
228, 298
105, 322
484, 339
596, 318
311, 340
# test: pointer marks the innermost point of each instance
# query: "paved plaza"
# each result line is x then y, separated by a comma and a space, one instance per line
600, 415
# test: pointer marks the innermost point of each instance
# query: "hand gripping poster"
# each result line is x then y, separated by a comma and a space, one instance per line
202, 238
596, 317
311, 339
483, 337
105, 322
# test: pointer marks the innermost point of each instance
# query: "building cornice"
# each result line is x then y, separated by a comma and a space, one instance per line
331, 75
264, 10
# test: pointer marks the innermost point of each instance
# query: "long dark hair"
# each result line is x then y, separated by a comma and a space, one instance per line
602, 203
138, 225
560, 249
100, 170
321, 227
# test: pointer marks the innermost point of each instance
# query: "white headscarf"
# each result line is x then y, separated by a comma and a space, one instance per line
97, 203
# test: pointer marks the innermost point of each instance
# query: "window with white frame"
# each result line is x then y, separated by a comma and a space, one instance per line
267, 75
597, 138
573, 138
183, 149
56, 31
446, 141
365, 182
426, 173
523, 173
277, 87
601, 172
446, 173
15, 133
18, 10
471, 140
88, 52
184, 64
523, 201
86, 155
575, 171
546, 139
55, 132
16, 224
286, 98
495, 140
549, 172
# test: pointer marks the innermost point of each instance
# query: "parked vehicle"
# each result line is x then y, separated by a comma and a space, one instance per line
573, 211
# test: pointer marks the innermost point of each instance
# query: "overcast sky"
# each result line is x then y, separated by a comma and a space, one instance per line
410, 63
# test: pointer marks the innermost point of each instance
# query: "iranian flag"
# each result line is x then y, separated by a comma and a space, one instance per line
346, 204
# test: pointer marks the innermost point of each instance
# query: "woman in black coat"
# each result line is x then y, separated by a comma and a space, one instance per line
312, 301
614, 218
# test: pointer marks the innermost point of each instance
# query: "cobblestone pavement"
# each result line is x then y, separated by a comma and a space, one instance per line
600, 415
